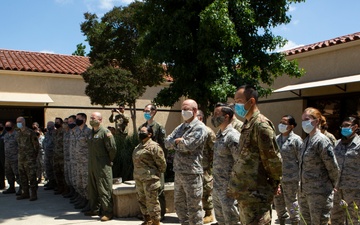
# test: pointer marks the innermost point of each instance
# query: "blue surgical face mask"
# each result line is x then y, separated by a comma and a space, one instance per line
240, 110
19, 125
307, 126
346, 131
147, 116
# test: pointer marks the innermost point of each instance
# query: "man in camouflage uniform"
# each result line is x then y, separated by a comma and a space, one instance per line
58, 162
158, 136
226, 151
49, 146
72, 161
149, 163
121, 121
256, 173
81, 154
188, 140
102, 151
28, 150
207, 163
70, 121
11, 158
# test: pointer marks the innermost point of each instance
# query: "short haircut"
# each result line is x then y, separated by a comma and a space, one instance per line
153, 106
249, 92
72, 117
58, 118
83, 115
353, 119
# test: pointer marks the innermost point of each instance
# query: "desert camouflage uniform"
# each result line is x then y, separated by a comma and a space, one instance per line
121, 121
319, 173
67, 165
159, 137
347, 153
149, 162
59, 158
81, 154
11, 158
188, 170
226, 150
290, 150
236, 124
49, 146
28, 149
257, 171
207, 162
102, 151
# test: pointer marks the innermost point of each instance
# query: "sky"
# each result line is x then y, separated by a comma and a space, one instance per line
53, 26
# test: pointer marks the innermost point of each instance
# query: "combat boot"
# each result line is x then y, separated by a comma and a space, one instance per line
282, 221
71, 192
33, 195
208, 218
10, 190
147, 220
24, 195
106, 218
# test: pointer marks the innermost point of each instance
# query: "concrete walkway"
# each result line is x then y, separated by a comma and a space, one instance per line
54, 209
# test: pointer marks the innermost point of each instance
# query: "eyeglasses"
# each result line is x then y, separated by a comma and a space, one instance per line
346, 126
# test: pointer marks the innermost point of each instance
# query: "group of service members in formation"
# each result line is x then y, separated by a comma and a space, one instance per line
237, 172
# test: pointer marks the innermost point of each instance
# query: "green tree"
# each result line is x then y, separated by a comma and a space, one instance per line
211, 47
119, 74
80, 50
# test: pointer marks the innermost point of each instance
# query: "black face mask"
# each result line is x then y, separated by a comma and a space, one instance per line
143, 135
79, 122
57, 125
8, 128
71, 125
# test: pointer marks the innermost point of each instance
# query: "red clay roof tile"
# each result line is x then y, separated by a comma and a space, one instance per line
324, 44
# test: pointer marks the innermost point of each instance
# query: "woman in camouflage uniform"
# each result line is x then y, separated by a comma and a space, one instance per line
149, 162
319, 171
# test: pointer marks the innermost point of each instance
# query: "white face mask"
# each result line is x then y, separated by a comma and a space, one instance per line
282, 128
187, 114
307, 126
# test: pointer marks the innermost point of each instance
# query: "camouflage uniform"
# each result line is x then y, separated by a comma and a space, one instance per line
289, 149
11, 158
67, 167
347, 153
319, 173
159, 137
40, 159
188, 170
49, 146
237, 124
102, 151
121, 121
331, 137
81, 154
207, 162
257, 171
149, 162
28, 149
226, 150
72, 146
59, 159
